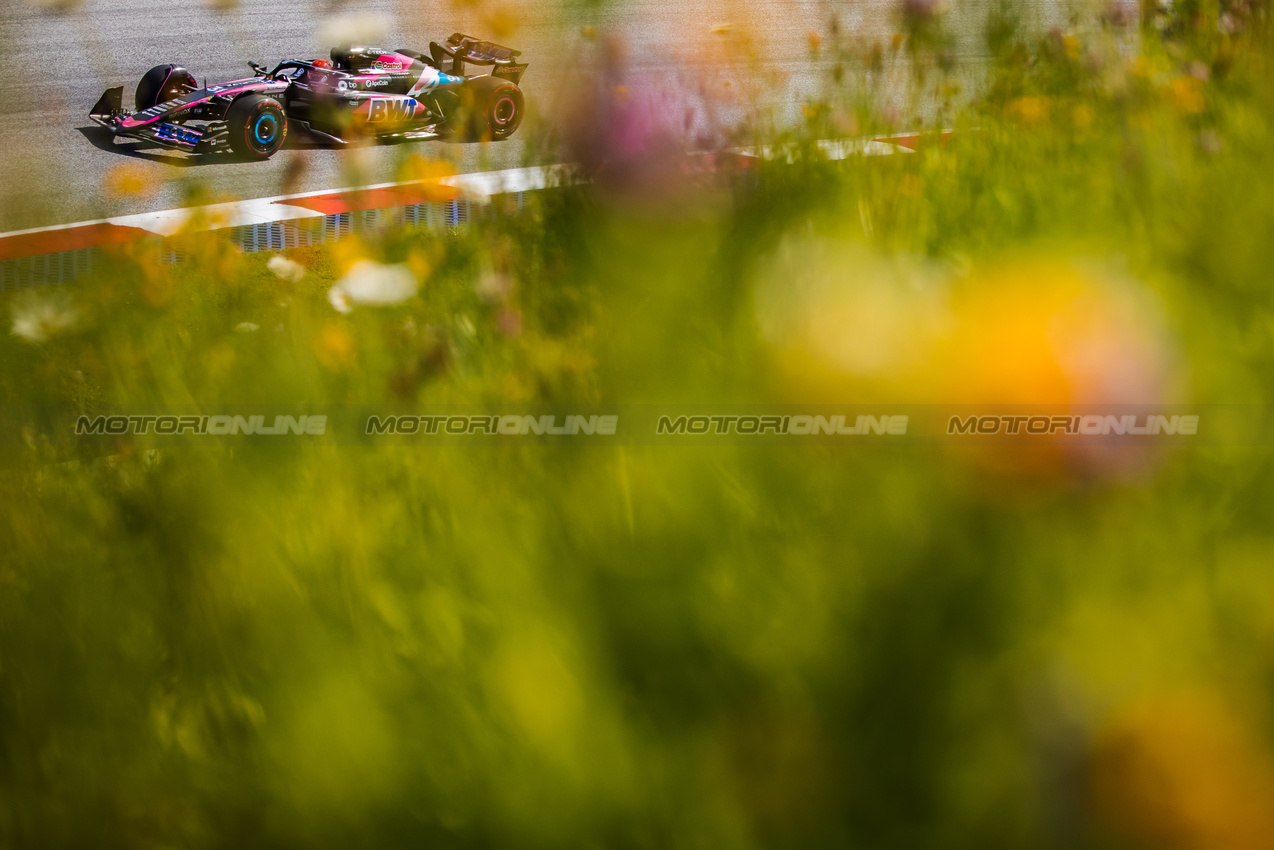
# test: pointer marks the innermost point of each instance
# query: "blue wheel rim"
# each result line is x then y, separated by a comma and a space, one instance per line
265, 129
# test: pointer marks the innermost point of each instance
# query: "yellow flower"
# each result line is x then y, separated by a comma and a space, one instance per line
418, 169
839, 316
1039, 330
1186, 94
348, 252
131, 180
420, 263
501, 22
1029, 110
1183, 770
334, 347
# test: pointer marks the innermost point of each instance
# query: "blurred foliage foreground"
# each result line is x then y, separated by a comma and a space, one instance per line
237, 643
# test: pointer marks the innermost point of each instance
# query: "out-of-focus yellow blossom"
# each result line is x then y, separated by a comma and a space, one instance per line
841, 316
334, 347
1040, 330
219, 256
1032, 330
502, 22
421, 263
1140, 67
347, 252
845, 123
1186, 94
419, 168
1030, 109
1183, 770
131, 180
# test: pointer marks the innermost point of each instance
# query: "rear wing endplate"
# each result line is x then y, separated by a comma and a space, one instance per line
461, 49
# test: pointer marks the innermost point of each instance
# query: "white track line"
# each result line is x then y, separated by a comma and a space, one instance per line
474, 185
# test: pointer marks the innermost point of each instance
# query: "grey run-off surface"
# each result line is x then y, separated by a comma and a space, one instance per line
59, 61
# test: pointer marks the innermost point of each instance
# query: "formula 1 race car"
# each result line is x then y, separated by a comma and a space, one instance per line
363, 92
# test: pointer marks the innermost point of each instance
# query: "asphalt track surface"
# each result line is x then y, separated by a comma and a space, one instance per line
54, 168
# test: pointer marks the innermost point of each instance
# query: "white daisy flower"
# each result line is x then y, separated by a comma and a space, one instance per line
373, 283
285, 269
37, 318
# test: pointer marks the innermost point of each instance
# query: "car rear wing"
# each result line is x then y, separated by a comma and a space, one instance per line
461, 49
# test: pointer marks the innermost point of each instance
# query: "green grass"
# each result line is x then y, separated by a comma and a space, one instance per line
381, 643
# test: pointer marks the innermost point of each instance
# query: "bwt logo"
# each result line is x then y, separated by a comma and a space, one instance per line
203, 425
387, 110
1091, 425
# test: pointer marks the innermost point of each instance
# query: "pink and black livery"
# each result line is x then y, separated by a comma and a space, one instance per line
466, 89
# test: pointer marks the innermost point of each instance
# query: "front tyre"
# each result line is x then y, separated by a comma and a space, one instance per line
257, 126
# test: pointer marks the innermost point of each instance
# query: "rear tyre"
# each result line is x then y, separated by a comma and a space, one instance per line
490, 109
163, 83
504, 105
257, 126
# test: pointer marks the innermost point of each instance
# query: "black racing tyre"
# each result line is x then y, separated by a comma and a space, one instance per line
490, 109
257, 126
163, 83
